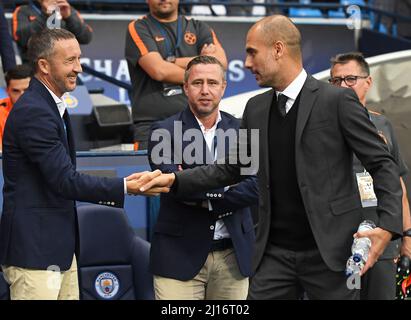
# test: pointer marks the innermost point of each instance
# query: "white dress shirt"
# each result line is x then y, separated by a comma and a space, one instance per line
220, 230
61, 106
293, 90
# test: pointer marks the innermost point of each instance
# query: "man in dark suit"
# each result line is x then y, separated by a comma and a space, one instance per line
309, 206
38, 226
202, 244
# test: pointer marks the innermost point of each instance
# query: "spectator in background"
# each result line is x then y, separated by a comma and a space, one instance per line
211, 257
350, 70
158, 49
17, 80
34, 17
8, 58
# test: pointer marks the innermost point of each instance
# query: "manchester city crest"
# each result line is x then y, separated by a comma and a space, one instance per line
70, 101
107, 285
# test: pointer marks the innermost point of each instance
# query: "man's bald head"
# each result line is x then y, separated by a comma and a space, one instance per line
280, 28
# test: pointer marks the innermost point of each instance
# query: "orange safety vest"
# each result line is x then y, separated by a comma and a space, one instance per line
5, 107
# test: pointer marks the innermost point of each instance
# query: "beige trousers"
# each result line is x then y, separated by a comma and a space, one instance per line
218, 279
29, 284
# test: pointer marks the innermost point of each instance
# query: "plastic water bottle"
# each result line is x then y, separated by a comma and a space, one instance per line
360, 249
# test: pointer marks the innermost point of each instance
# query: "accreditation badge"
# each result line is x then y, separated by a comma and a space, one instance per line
366, 188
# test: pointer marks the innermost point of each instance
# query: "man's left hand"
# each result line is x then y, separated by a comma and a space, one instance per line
379, 240
136, 180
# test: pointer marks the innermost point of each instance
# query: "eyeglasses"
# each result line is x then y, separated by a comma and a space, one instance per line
349, 80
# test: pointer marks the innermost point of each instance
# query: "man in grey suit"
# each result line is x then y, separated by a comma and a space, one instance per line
309, 206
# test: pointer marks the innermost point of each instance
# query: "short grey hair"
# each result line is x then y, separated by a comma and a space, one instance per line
203, 60
41, 44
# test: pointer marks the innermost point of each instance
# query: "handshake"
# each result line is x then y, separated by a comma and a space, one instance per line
148, 183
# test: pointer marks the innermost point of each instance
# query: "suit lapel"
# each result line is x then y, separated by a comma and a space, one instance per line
224, 124
265, 120
190, 122
307, 99
68, 140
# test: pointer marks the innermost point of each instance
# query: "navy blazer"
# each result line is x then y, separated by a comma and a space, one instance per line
184, 231
38, 226
8, 58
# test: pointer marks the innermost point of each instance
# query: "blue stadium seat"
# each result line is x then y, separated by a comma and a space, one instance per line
305, 12
340, 13
113, 261
352, 2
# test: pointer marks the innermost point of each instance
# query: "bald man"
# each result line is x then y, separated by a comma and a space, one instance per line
309, 204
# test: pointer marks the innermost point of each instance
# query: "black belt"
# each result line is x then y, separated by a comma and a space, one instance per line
222, 244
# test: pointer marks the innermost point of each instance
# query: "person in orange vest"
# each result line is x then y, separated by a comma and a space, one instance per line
17, 80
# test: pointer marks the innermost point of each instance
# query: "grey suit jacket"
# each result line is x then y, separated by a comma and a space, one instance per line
331, 124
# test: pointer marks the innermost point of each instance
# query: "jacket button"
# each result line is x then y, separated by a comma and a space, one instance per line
211, 227
268, 186
207, 194
219, 195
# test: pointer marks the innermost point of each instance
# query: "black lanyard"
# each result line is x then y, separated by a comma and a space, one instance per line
165, 35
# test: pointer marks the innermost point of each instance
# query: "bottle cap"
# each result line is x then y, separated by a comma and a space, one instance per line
357, 257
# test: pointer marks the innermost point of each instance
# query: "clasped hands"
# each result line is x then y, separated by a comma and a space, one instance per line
148, 183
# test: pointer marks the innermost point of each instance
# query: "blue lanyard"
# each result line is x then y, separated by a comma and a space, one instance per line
166, 38
35, 8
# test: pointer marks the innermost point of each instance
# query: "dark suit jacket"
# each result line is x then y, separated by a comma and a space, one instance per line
331, 123
183, 233
38, 226
8, 58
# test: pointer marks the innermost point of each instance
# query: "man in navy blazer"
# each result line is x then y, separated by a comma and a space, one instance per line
202, 244
38, 228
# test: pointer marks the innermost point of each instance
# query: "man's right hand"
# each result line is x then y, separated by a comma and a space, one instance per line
208, 49
165, 180
137, 180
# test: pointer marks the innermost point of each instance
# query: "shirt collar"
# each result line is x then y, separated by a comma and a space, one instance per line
295, 86
61, 106
203, 129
